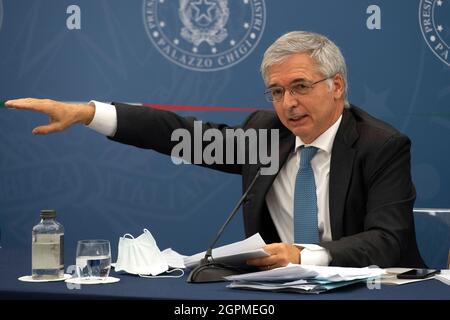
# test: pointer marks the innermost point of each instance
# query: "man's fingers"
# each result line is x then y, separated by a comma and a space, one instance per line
266, 263
259, 262
281, 254
273, 248
255, 262
17, 103
28, 104
62, 115
50, 128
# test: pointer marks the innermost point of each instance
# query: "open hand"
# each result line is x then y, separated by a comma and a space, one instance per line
61, 115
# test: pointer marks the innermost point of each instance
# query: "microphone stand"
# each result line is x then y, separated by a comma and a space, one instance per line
210, 271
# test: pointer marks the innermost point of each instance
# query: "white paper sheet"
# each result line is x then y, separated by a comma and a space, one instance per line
444, 276
233, 254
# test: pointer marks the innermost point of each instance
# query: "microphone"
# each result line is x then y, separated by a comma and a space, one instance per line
210, 271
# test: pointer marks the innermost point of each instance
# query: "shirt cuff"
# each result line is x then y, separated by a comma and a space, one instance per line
314, 255
105, 118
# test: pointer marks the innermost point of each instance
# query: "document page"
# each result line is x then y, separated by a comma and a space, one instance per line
233, 254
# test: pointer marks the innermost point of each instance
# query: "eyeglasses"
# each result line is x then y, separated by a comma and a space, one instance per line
299, 87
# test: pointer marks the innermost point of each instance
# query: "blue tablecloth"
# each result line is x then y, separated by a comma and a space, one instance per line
16, 263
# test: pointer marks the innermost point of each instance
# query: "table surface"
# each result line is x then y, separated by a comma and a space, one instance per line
15, 263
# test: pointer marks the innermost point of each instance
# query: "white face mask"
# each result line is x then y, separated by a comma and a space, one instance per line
140, 255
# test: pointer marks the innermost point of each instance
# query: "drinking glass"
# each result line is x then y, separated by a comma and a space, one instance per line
93, 259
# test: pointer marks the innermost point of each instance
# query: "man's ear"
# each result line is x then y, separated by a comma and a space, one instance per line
338, 86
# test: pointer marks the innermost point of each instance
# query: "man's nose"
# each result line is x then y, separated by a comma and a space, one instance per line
289, 100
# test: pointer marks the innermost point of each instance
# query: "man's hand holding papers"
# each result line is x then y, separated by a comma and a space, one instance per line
293, 277
235, 254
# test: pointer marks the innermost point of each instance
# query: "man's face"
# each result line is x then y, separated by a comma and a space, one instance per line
306, 115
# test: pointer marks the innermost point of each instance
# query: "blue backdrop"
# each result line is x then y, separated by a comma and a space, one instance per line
146, 52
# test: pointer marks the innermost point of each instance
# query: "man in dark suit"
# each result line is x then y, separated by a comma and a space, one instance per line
343, 194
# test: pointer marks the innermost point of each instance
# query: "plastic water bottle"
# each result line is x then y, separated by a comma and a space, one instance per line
47, 248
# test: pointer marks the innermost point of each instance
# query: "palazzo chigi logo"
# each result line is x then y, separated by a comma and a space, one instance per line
434, 17
205, 35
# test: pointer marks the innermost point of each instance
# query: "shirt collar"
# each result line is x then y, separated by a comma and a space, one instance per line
324, 141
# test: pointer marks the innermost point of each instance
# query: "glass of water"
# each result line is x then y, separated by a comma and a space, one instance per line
93, 259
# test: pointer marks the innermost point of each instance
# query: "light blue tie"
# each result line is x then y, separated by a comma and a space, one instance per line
306, 228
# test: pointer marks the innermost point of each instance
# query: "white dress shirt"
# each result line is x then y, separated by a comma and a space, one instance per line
279, 198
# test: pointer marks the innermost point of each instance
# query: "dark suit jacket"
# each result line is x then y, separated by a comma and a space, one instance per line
371, 191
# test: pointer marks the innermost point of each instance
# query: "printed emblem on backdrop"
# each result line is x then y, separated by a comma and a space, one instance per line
434, 17
205, 35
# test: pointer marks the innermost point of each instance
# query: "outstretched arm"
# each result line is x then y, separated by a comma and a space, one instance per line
61, 115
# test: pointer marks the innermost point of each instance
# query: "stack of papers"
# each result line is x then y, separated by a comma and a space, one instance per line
303, 278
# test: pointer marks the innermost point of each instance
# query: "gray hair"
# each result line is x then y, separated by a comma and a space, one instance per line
324, 52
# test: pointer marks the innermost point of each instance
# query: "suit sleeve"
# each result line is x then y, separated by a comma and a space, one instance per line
152, 129
388, 229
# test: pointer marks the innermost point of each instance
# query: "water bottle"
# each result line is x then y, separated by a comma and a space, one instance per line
47, 247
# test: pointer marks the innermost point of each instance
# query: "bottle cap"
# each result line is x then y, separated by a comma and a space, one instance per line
48, 213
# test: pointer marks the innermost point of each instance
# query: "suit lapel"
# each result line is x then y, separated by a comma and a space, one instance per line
287, 140
341, 166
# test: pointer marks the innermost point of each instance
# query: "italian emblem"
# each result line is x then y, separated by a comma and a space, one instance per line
205, 35
434, 16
